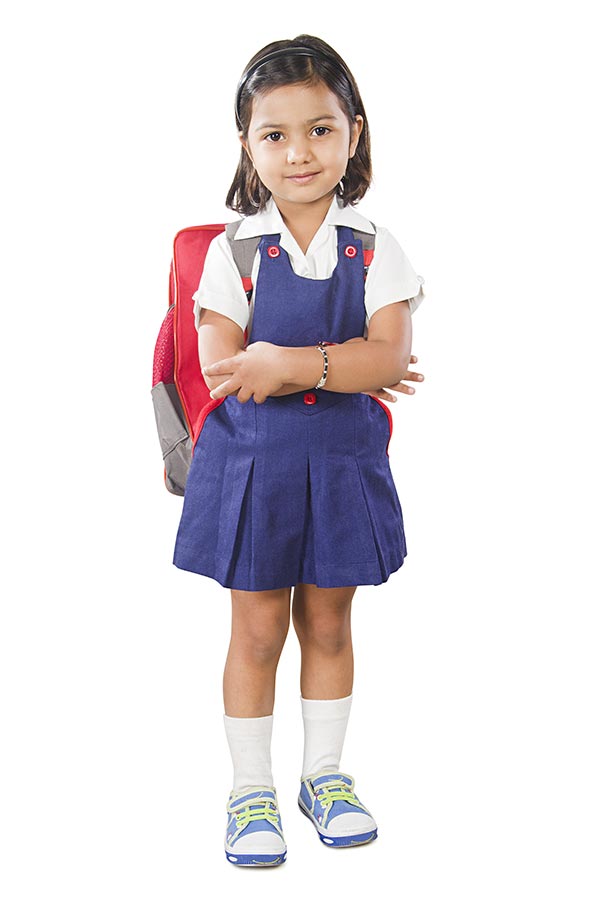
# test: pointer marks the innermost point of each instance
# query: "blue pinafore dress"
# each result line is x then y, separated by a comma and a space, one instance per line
298, 488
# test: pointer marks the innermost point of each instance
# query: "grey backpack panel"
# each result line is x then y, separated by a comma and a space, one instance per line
176, 444
368, 240
243, 250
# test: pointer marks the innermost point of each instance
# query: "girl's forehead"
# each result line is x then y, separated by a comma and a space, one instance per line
294, 101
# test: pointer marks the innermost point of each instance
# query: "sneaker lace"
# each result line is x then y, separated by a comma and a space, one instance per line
335, 789
255, 810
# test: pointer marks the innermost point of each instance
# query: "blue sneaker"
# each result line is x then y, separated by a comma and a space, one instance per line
329, 801
254, 836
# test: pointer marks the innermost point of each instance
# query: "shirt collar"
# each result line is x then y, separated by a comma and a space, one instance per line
269, 221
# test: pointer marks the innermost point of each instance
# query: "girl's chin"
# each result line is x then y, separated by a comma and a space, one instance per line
293, 193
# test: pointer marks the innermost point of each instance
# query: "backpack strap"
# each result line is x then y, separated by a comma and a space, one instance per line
244, 252
368, 244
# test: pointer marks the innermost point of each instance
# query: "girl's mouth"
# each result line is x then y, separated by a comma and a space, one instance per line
302, 179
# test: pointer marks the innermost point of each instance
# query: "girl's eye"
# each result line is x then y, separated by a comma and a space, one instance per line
275, 136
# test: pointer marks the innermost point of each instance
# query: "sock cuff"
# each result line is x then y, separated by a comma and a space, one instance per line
326, 709
251, 725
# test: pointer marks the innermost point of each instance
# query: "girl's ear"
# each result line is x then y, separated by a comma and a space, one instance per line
355, 133
245, 146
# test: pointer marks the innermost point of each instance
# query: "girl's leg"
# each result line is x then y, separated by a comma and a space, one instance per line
260, 621
259, 627
322, 621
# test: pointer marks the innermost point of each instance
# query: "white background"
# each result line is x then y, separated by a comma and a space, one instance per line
474, 731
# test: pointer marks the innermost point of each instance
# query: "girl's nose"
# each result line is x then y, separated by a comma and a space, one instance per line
298, 151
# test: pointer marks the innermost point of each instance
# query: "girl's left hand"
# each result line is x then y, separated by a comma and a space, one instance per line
254, 372
382, 394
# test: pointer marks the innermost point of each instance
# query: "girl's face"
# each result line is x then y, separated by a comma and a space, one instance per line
300, 141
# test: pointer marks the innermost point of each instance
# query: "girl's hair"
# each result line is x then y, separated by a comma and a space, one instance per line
319, 63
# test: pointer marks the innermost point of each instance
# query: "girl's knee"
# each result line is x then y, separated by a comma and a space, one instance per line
323, 620
260, 623
330, 638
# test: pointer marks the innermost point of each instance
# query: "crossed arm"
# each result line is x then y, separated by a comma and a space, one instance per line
263, 369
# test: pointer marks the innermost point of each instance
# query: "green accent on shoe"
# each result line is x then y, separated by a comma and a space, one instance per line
335, 788
267, 810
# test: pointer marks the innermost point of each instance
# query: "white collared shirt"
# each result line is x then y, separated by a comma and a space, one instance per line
390, 277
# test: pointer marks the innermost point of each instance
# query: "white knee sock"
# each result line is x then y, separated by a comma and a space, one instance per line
250, 746
325, 723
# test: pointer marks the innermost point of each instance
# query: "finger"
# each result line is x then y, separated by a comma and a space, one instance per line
377, 393
385, 395
381, 394
227, 387
413, 376
220, 367
402, 388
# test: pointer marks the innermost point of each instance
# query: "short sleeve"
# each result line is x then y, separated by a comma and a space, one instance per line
221, 287
391, 277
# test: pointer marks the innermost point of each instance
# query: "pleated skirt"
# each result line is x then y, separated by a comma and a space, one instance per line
280, 494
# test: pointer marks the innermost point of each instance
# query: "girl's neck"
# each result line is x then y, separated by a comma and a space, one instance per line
304, 219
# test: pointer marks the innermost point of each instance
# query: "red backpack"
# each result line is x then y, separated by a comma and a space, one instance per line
180, 396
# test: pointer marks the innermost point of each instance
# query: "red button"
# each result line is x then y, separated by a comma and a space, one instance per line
310, 398
350, 251
273, 251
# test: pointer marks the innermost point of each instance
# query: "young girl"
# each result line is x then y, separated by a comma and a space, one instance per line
290, 483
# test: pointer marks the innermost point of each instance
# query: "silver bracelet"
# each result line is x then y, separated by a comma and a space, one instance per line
323, 377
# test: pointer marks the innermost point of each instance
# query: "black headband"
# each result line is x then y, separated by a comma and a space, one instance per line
275, 54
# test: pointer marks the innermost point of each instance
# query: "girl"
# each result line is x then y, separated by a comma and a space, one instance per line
290, 484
